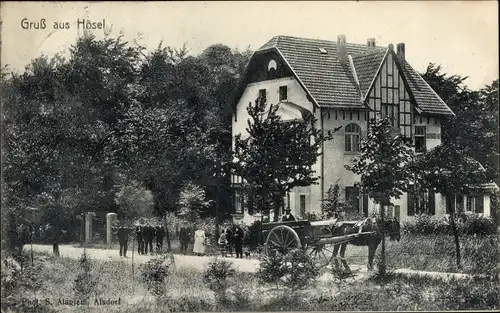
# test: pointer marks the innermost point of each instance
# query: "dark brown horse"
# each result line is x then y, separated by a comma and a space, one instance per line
391, 229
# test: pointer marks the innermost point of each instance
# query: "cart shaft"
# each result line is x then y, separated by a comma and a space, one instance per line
342, 239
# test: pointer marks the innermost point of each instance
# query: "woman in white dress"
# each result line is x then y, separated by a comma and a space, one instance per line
199, 242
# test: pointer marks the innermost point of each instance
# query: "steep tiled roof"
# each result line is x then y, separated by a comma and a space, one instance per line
367, 65
427, 100
332, 84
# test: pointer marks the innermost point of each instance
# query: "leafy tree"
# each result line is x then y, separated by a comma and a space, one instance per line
449, 171
332, 205
134, 201
384, 167
476, 117
192, 201
278, 155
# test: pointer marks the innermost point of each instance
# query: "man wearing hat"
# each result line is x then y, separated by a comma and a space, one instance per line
287, 217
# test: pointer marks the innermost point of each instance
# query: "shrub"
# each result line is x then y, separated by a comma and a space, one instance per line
467, 224
85, 283
294, 270
477, 225
216, 276
253, 235
271, 268
18, 283
155, 271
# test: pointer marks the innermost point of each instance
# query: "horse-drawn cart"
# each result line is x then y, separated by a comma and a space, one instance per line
318, 238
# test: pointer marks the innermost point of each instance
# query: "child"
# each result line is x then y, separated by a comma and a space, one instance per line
223, 243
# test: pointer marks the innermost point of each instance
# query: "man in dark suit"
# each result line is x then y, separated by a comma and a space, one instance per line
238, 241
184, 238
122, 235
160, 234
139, 232
149, 235
287, 217
230, 240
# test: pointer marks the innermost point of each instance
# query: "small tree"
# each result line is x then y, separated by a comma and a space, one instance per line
384, 167
134, 201
449, 171
85, 283
216, 276
192, 201
277, 155
332, 205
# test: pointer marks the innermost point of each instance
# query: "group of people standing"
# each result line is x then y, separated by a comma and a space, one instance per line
229, 238
146, 234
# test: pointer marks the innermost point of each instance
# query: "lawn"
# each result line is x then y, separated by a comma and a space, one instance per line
185, 291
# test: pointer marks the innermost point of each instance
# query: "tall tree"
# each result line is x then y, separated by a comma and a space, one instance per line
384, 167
277, 155
476, 117
449, 171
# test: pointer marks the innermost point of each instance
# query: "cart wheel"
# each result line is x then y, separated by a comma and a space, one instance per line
281, 239
322, 255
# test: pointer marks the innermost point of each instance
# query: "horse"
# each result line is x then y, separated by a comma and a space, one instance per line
391, 229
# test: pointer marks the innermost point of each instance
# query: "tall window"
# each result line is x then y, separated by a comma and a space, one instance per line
352, 137
420, 133
421, 202
238, 202
262, 94
283, 93
302, 205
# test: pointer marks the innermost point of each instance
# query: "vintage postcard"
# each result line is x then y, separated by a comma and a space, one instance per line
249, 156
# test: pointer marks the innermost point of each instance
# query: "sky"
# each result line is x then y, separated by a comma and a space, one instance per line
462, 36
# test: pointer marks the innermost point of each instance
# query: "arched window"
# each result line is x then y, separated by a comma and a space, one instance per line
352, 137
271, 69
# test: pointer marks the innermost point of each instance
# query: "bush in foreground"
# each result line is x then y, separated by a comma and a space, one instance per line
155, 271
216, 276
295, 270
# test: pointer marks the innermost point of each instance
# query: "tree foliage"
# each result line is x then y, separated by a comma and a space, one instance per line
74, 129
384, 163
277, 155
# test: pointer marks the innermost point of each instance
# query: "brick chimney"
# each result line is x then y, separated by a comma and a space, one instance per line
401, 52
370, 42
341, 49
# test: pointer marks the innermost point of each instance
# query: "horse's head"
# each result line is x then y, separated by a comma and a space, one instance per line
393, 229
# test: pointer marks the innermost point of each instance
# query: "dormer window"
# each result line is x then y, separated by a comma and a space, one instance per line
322, 50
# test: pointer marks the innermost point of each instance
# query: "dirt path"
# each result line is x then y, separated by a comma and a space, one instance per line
199, 262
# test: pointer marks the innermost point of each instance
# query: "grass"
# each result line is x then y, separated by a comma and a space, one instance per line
436, 253
480, 255
186, 291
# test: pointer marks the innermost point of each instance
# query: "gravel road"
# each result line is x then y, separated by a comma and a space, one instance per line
199, 262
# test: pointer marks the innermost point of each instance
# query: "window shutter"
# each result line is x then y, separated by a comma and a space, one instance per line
449, 204
365, 205
411, 204
432, 202
479, 204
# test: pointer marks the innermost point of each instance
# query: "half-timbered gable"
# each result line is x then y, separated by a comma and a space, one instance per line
343, 84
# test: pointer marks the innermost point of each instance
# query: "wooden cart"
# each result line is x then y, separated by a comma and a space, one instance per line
316, 237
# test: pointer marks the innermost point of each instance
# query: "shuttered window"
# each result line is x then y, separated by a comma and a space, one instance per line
302, 205
479, 204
